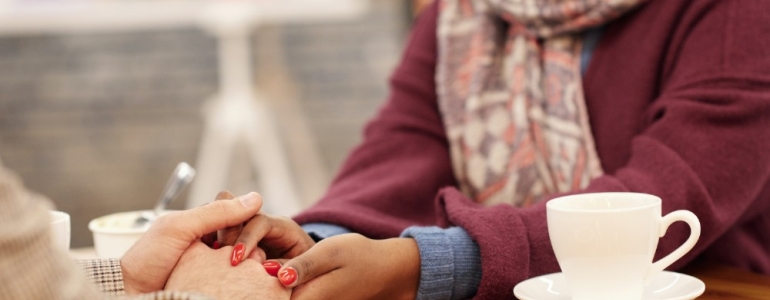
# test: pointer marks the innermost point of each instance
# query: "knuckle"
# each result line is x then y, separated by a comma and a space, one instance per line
199, 214
224, 209
334, 253
305, 267
251, 226
164, 220
218, 210
331, 249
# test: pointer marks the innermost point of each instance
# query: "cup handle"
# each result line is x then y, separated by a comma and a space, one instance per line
692, 221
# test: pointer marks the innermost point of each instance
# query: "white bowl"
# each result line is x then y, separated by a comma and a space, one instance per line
114, 234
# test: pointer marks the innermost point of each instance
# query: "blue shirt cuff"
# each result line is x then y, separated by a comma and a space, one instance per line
320, 231
450, 263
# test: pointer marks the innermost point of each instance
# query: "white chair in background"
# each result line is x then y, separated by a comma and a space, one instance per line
237, 117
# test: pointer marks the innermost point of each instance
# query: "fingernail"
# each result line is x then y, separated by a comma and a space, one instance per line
238, 251
248, 200
288, 276
215, 245
272, 267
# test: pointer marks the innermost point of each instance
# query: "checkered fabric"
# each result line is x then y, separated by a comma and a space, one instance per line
105, 274
511, 97
169, 295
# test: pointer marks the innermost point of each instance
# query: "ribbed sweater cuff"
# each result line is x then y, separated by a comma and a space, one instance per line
450, 263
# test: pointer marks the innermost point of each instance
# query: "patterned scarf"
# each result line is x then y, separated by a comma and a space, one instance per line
510, 93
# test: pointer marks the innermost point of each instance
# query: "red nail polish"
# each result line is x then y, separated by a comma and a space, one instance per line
215, 245
238, 251
287, 276
272, 267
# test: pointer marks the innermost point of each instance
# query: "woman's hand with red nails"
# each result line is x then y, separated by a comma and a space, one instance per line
351, 266
148, 264
272, 267
279, 237
202, 270
244, 237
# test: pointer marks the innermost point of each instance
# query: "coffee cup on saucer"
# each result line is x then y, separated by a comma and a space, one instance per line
605, 242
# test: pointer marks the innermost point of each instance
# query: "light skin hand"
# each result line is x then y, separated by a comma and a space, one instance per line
148, 264
351, 266
202, 270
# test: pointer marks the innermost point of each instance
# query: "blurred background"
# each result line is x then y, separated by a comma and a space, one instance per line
97, 120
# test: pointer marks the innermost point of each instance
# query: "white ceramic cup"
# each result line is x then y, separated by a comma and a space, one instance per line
114, 234
60, 229
605, 242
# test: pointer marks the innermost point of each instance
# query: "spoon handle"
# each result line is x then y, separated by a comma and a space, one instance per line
182, 176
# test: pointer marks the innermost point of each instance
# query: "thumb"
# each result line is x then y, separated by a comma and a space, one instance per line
216, 215
316, 261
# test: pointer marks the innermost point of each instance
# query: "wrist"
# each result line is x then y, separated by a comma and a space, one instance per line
130, 284
407, 276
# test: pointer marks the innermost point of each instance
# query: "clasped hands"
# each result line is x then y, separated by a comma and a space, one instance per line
228, 249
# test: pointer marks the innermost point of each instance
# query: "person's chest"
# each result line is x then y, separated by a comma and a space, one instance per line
627, 72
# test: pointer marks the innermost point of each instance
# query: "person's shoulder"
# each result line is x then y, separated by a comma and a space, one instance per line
428, 16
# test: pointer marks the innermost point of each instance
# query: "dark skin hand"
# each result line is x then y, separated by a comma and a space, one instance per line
351, 266
280, 237
348, 266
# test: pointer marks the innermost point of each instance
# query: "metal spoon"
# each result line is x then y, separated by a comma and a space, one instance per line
182, 176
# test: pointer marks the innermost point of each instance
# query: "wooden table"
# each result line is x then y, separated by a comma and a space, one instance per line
722, 282
725, 282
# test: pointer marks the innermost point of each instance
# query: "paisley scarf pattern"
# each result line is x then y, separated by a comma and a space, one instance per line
511, 98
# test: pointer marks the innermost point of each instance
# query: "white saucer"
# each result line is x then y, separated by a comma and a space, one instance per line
664, 286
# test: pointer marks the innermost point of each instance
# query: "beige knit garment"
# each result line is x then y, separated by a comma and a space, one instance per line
30, 268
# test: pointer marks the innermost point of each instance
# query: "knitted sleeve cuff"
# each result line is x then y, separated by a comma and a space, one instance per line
450, 263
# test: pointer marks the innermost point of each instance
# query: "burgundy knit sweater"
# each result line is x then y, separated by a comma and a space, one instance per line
678, 95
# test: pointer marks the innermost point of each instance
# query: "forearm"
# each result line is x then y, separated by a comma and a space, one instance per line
389, 182
450, 261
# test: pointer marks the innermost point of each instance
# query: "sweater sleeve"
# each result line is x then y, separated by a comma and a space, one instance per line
30, 268
704, 149
389, 181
